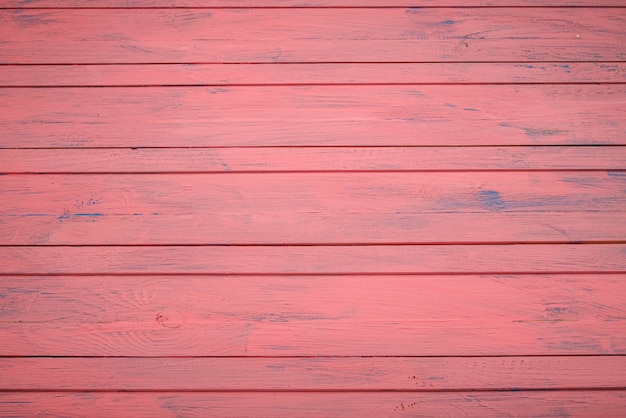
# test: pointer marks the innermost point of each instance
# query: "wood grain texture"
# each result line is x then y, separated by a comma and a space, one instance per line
313, 208
317, 338
313, 315
322, 208
371, 259
255, 228
311, 74
30, 4
312, 159
606, 403
310, 374
518, 298
314, 115
72, 36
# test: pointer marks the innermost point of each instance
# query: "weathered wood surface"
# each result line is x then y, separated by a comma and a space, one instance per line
321, 208
606, 403
313, 208
278, 228
313, 116
100, 299
316, 338
311, 374
135, 316
84, 36
333, 259
311, 74
312, 159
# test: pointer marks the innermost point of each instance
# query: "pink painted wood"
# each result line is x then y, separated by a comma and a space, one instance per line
392, 315
338, 208
304, 35
312, 74
313, 116
311, 159
329, 208
317, 404
412, 374
314, 259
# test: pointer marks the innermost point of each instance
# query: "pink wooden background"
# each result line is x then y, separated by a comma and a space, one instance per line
322, 208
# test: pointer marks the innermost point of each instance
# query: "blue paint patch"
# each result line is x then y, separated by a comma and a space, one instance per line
621, 174
471, 109
448, 22
413, 10
533, 133
566, 67
611, 68
449, 105
581, 181
491, 200
88, 214
64, 215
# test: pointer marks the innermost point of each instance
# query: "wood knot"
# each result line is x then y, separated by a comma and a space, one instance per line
171, 319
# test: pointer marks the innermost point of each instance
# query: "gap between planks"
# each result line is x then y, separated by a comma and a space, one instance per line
324, 4
251, 4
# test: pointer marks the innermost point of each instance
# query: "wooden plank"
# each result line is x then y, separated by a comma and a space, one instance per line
92, 306
310, 374
312, 316
327, 208
371, 259
72, 36
314, 115
312, 159
29, 4
342, 193
606, 403
254, 228
310, 74
169, 337
90, 300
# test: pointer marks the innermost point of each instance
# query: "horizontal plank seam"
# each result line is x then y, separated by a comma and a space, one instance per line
2, 64
469, 170
408, 6
338, 390
251, 357
282, 274
269, 147
507, 83
333, 244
